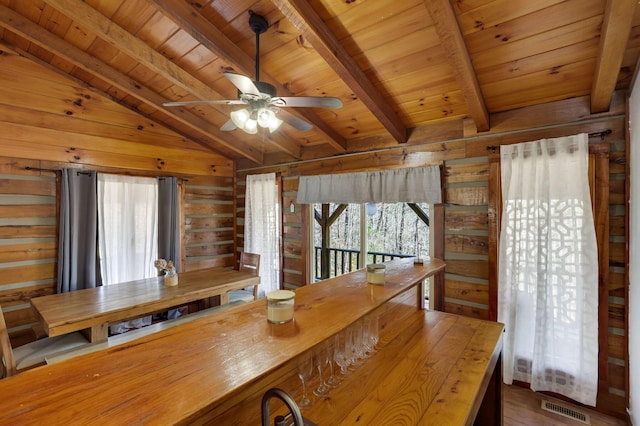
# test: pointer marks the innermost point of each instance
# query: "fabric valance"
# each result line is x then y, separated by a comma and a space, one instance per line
414, 185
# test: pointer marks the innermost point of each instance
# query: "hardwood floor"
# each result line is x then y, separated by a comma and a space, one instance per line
522, 408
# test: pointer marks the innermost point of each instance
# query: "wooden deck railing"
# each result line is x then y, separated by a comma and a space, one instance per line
342, 261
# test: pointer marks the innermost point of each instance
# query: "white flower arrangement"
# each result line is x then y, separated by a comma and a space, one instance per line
165, 267
169, 271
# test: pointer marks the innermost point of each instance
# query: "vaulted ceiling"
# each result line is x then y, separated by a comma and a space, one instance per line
397, 66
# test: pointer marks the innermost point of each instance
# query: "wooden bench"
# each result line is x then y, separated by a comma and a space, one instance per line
129, 336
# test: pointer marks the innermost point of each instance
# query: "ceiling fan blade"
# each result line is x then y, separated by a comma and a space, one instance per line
224, 102
294, 121
228, 126
307, 101
243, 83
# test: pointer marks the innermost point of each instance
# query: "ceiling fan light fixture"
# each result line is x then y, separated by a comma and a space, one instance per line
251, 126
240, 117
261, 98
275, 124
266, 117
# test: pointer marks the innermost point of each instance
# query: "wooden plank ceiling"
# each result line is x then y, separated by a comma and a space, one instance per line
396, 65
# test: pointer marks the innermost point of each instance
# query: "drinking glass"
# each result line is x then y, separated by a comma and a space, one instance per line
341, 351
357, 348
333, 380
322, 358
305, 372
374, 331
370, 334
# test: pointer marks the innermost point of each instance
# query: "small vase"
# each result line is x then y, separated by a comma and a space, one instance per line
171, 280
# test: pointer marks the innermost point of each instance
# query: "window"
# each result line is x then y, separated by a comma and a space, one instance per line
548, 268
128, 232
359, 234
128, 223
262, 228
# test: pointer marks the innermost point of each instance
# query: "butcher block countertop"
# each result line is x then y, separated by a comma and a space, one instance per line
208, 369
434, 370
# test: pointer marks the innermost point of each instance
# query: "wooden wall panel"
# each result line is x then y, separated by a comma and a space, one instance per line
209, 234
617, 337
466, 219
241, 187
617, 284
466, 236
45, 116
294, 222
27, 240
24, 294
469, 244
466, 196
469, 292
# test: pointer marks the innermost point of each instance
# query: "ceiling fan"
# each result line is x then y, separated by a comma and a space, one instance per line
263, 107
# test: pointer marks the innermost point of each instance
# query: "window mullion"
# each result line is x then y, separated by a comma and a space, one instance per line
364, 240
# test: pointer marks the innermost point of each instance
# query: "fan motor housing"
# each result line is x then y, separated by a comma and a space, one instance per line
264, 88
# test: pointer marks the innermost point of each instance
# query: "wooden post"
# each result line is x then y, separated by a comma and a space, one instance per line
438, 252
324, 250
599, 185
494, 218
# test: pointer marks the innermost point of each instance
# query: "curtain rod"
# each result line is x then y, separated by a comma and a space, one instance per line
476, 138
80, 171
602, 134
38, 169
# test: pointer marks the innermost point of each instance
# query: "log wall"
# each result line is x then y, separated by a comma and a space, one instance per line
464, 156
209, 211
49, 122
28, 239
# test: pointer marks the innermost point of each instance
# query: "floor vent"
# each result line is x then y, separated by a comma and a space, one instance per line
566, 411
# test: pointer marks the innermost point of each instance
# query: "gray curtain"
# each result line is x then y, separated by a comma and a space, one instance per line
169, 220
169, 225
78, 265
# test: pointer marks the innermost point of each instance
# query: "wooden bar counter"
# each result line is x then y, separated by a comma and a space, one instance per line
214, 370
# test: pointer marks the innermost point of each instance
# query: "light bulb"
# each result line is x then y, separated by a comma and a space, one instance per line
240, 117
275, 124
265, 117
251, 126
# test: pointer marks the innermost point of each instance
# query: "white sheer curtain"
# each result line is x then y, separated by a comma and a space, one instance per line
548, 282
128, 223
262, 228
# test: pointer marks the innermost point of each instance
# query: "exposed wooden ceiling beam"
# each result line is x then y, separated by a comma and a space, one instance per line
314, 30
191, 21
208, 133
616, 26
446, 25
98, 24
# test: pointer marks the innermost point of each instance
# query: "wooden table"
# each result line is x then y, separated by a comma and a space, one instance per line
95, 308
215, 370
